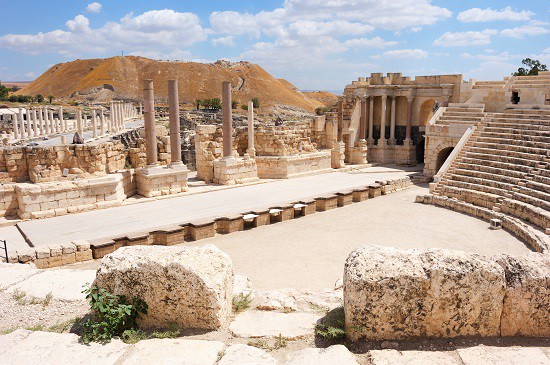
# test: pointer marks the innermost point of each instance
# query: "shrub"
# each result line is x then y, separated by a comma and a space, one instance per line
111, 315
244, 107
256, 102
234, 104
241, 302
332, 326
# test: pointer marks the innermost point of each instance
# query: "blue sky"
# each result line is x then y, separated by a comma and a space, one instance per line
315, 44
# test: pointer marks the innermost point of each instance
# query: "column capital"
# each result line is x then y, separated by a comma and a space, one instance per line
384, 97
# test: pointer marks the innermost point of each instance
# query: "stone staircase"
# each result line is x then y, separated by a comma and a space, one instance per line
461, 113
504, 166
542, 80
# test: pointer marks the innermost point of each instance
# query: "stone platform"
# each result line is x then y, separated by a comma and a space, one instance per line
286, 167
155, 181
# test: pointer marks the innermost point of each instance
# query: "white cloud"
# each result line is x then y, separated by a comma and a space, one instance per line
224, 41
404, 53
470, 38
521, 32
30, 75
93, 8
154, 30
488, 15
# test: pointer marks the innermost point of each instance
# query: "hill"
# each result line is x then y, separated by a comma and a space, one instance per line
325, 97
121, 77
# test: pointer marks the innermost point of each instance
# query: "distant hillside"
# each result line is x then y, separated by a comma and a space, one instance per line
325, 97
122, 77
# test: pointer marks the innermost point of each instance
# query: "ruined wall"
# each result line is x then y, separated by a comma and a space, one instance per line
46, 163
283, 140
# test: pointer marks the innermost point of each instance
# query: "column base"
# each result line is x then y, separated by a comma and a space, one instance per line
251, 152
338, 155
370, 141
156, 180
391, 141
230, 170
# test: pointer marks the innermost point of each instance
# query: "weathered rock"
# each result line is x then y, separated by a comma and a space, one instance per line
337, 354
526, 309
241, 285
394, 357
273, 324
243, 354
395, 294
488, 355
14, 273
302, 300
175, 351
188, 286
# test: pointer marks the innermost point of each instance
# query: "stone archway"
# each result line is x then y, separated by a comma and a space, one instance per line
426, 112
442, 157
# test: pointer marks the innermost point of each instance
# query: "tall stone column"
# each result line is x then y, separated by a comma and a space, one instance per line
122, 116
363, 120
41, 121
340, 119
46, 120
32, 113
227, 120
175, 138
22, 124
251, 149
94, 124
102, 122
111, 125
140, 109
15, 124
392, 120
382, 140
29, 122
150, 133
370, 139
79, 128
409, 120
52, 126
61, 120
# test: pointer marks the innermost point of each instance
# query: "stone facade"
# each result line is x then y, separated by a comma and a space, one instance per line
285, 167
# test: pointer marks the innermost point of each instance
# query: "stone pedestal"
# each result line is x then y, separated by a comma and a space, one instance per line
338, 155
358, 154
231, 170
156, 180
286, 167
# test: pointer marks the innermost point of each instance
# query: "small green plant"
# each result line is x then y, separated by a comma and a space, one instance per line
166, 334
241, 302
280, 342
111, 315
261, 344
62, 327
36, 327
19, 297
332, 326
47, 300
132, 336
7, 331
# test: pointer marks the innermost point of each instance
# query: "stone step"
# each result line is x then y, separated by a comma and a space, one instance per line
535, 137
516, 142
488, 175
490, 169
484, 154
497, 192
521, 116
461, 113
519, 127
488, 182
459, 118
531, 153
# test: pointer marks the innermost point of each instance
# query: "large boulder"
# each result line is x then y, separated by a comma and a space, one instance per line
188, 286
396, 294
526, 310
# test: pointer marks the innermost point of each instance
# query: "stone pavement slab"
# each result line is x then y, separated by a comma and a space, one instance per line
394, 357
489, 355
121, 220
337, 354
47, 348
63, 284
246, 355
11, 274
272, 324
174, 351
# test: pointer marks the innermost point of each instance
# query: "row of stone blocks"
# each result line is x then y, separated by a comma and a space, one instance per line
52, 255
206, 228
537, 241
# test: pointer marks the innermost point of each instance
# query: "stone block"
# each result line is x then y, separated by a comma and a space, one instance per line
190, 287
345, 198
326, 202
84, 255
360, 194
169, 235
395, 294
55, 250
229, 224
81, 245
68, 248
375, 190
102, 247
199, 230
139, 238
262, 219
526, 309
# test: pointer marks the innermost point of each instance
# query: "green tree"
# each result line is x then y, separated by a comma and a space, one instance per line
4, 91
198, 103
39, 98
12, 98
533, 68
256, 102
216, 104
50, 97
234, 104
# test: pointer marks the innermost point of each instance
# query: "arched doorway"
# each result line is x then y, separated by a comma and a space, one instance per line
442, 157
426, 112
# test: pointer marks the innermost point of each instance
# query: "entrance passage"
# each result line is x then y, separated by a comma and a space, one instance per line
442, 157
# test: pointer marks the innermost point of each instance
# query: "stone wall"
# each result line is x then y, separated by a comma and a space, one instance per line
284, 167
47, 163
397, 294
277, 140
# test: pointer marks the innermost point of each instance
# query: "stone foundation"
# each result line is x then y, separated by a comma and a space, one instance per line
52, 255
285, 167
157, 180
231, 171
392, 154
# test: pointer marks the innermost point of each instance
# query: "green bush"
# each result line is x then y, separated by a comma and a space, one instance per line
111, 315
332, 326
256, 102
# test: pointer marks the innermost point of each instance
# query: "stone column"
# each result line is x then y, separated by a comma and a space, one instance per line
32, 113
22, 124
227, 120
46, 120
150, 133
29, 126
251, 150
175, 138
140, 109
409, 120
363, 120
340, 119
102, 115
382, 140
94, 124
52, 126
15, 124
61, 120
41, 121
79, 128
121, 115
370, 139
392, 120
